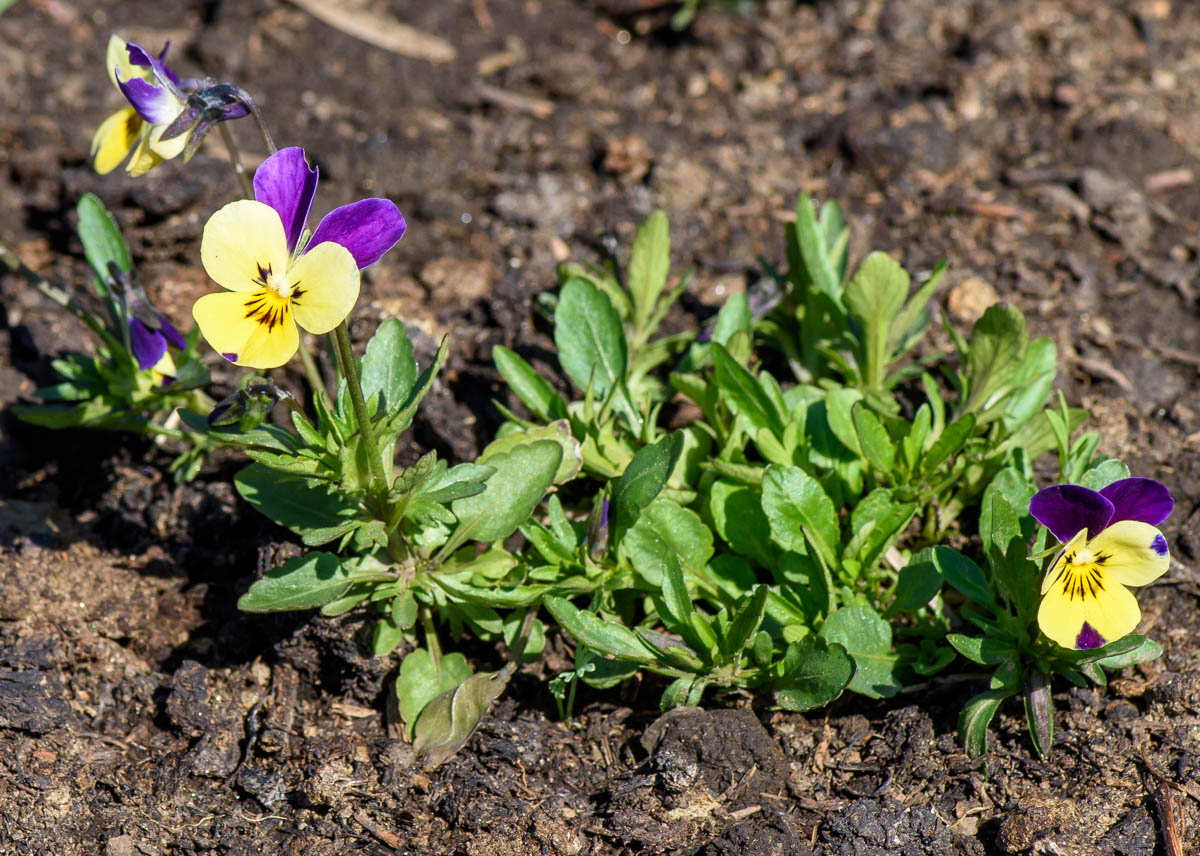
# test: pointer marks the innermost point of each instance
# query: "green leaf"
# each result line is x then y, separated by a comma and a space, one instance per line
309, 581
995, 352
799, 510
949, 444
877, 521
747, 616
868, 639
649, 265
643, 480
589, 337
420, 680
814, 673
813, 253
984, 650
875, 296
1039, 712
976, 716
558, 431
1105, 473
665, 528
522, 476
873, 439
604, 637
964, 575
684, 691
675, 595
919, 583
744, 394
388, 367
535, 391
102, 241
740, 521
291, 501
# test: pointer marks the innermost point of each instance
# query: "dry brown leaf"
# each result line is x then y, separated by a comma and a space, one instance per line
383, 31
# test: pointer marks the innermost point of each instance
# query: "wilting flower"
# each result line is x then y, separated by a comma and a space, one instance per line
1109, 542
155, 100
254, 249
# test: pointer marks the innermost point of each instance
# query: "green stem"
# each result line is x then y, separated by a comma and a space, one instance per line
432, 645
518, 650
345, 357
58, 295
236, 161
313, 372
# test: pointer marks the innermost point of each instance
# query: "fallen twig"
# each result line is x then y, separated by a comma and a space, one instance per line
382, 31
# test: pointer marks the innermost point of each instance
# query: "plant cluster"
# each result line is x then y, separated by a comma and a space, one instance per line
764, 505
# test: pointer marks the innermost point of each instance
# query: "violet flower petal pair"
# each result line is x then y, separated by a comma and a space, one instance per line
157, 103
367, 228
149, 345
1065, 509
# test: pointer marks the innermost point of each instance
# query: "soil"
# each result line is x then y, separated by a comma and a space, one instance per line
1049, 148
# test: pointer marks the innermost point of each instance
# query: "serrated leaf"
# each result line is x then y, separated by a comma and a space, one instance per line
388, 367
995, 352
875, 296
522, 476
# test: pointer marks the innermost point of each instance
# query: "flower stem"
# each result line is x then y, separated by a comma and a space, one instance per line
345, 357
432, 645
315, 379
236, 161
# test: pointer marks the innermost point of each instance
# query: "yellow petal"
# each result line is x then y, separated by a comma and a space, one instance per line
1064, 557
1131, 553
170, 148
164, 370
325, 281
253, 330
1112, 612
116, 58
143, 159
243, 245
114, 138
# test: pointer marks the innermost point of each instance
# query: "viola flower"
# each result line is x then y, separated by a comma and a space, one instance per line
1109, 542
155, 100
148, 341
275, 281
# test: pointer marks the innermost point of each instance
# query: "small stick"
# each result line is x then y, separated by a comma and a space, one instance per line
382, 834
236, 161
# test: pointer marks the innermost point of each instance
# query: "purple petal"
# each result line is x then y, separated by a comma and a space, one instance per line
1159, 544
138, 55
1064, 509
367, 228
153, 103
1088, 638
1139, 499
287, 183
148, 345
170, 332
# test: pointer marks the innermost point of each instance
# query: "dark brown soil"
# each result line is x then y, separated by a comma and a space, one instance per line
1049, 148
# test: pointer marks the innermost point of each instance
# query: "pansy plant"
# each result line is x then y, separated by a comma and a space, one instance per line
1079, 615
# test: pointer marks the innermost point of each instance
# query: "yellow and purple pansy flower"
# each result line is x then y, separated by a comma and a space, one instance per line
155, 101
254, 248
1109, 542
148, 340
